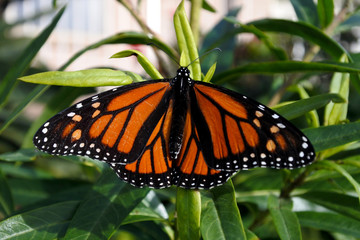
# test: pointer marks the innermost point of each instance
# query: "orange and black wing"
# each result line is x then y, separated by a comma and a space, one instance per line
190, 169
236, 132
154, 167
126, 127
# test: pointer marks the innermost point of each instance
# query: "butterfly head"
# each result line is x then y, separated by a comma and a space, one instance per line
183, 72
182, 80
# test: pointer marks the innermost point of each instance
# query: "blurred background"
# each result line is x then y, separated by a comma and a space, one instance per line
87, 21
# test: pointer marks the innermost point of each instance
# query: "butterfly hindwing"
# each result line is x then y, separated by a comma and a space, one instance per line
240, 133
113, 126
191, 170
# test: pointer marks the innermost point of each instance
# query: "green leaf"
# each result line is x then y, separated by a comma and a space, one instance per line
220, 216
330, 222
276, 51
286, 222
195, 12
308, 33
337, 112
325, 10
149, 209
24, 171
82, 78
208, 7
186, 42
144, 62
312, 117
285, 67
22, 155
303, 30
22, 63
188, 208
332, 136
6, 199
105, 207
300, 107
30, 193
306, 11
333, 166
250, 235
210, 73
48, 222
144, 231
338, 202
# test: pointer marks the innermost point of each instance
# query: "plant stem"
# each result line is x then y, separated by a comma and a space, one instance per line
287, 189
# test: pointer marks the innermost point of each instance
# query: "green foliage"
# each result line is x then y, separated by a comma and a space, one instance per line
144, 62
48, 197
285, 220
220, 217
82, 78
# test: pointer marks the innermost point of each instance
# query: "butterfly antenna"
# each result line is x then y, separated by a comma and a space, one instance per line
203, 55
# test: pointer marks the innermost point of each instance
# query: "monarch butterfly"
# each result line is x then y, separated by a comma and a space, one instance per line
175, 131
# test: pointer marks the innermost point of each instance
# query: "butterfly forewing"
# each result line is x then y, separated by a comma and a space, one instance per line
240, 133
113, 126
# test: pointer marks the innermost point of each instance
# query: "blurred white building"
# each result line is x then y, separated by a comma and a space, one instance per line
88, 21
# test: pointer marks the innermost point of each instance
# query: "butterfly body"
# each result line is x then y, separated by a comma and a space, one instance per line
181, 99
175, 132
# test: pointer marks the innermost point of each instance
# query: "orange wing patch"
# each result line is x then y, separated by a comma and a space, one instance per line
214, 121
68, 129
235, 139
145, 163
76, 135
113, 131
251, 136
134, 95
139, 115
225, 101
161, 162
99, 125
191, 170
281, 141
